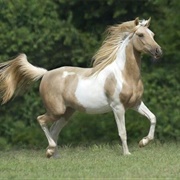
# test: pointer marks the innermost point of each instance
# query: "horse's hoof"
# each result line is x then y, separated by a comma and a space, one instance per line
141, 144
127, 154
144, 142
49, 153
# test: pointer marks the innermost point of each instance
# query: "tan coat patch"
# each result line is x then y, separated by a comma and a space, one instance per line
58, 91
132, 89
110, 85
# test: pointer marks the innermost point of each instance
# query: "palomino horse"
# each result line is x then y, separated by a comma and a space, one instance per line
112, 84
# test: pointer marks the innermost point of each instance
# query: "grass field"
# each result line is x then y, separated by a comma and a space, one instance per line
94, 162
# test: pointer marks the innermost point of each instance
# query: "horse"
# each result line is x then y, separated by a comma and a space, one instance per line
113, 83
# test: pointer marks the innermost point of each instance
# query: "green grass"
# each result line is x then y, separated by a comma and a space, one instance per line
97, 161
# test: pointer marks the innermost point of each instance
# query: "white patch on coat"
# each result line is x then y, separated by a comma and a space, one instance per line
90, 94
121, 54
66, 73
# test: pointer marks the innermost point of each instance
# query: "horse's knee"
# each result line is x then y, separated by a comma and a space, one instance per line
153, 119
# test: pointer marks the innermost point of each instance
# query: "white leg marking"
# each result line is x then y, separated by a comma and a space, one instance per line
119, 111
142, 109
55, 130
52, 145
49, 138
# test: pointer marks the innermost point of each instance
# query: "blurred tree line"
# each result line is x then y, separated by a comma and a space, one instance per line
54, 33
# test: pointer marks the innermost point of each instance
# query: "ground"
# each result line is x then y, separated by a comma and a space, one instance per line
96, 161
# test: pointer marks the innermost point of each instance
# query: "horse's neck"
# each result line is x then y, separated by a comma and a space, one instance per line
132, 66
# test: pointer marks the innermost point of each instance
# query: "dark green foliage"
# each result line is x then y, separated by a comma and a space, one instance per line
66, 32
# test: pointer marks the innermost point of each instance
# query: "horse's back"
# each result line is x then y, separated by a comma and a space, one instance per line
57, 77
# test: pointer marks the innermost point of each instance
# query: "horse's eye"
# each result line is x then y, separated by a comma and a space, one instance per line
140, 34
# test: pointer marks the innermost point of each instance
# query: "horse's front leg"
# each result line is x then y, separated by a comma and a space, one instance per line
142, 109
119, 112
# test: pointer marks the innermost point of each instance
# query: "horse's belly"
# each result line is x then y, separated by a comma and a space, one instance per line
98, 110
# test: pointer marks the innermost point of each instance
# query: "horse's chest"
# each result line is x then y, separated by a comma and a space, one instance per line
90, 95
131, 94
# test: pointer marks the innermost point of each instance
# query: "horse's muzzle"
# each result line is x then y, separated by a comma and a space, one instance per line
157, 52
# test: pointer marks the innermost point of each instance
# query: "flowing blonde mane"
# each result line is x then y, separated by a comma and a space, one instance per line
108, 51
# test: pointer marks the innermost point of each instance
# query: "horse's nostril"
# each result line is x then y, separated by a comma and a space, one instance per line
158, 51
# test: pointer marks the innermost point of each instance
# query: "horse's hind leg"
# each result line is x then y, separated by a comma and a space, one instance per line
142, 109
57, 127
43, 120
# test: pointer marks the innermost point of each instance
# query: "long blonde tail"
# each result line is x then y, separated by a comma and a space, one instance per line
15, 75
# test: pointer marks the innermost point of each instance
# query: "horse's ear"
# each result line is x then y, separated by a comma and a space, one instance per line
136, 21
148, 22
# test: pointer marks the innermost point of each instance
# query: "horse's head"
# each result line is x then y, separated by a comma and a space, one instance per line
143, 39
